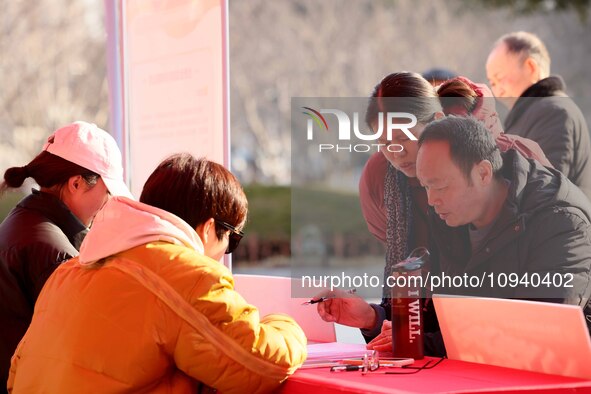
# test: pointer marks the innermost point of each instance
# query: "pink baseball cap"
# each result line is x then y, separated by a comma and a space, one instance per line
92, 148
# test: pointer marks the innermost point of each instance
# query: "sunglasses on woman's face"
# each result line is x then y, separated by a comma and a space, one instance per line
234, 237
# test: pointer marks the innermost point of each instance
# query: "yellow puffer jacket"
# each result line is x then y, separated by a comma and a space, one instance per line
157, 318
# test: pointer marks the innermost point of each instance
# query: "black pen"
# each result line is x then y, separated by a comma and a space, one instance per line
343, 368
322, 299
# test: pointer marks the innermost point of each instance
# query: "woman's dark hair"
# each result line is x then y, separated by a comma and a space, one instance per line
457, 97
47, 170
196, 190
414, 95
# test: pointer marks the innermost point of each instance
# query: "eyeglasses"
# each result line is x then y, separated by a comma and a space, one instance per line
371, 363
234, 237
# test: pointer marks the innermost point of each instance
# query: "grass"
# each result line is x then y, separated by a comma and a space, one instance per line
9, 201
271, 208
269, 213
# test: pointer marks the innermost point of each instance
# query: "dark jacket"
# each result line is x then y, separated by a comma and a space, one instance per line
36, 236
545, 114
543, 228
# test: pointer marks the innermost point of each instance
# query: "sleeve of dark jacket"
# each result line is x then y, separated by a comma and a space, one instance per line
558, 247
553, 129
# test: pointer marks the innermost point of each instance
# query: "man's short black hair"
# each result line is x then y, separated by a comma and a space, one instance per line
469, 142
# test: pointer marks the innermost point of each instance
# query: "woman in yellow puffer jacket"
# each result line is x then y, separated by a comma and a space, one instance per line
147, 307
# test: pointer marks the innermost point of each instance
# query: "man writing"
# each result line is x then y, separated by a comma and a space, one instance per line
498, 214
503, 214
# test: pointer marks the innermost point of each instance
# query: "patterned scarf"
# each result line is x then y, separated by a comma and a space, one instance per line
398, 201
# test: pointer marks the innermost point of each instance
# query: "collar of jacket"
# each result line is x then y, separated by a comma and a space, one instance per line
546, 87
552, 86
57, 212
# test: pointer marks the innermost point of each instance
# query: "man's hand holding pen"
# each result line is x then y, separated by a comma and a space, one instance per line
345, 308
316, 300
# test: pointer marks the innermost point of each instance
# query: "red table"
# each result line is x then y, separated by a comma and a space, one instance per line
449, 376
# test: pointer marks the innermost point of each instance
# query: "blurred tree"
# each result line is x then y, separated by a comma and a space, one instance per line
53, 66
341, 48
532, 6
52, 71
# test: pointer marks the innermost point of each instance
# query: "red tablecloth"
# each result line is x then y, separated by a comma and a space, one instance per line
448, 377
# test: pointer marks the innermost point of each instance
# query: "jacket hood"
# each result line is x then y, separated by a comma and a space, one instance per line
534, 187
124, 223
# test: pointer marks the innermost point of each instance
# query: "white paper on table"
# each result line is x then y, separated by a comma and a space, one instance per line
334, 351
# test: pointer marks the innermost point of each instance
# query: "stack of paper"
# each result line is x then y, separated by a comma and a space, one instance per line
327, 354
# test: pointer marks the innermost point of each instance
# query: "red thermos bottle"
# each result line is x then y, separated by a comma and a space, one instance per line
407, 308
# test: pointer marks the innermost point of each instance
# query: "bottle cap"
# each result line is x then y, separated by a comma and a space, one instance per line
415, 260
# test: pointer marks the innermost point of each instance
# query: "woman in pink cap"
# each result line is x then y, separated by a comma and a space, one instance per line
79, 166
393, 202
